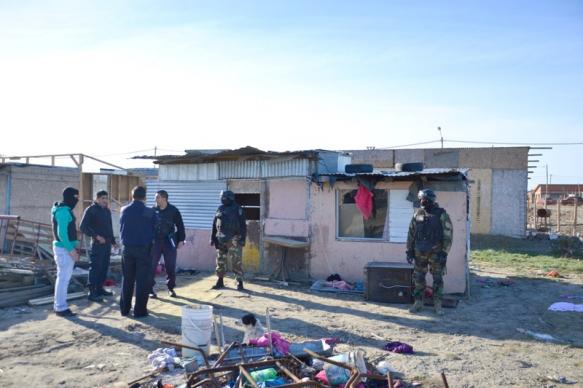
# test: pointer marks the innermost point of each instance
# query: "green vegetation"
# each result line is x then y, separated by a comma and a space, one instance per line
525, 255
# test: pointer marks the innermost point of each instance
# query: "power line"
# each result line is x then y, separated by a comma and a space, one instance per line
409, 145
511, 143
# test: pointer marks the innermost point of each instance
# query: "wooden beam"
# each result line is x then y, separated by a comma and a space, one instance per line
104, 162
75, 161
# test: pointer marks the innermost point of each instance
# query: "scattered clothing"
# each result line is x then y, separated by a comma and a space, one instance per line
280, 345
341, 285
566, 306
325, 286
163, 358
331, 341
399, 347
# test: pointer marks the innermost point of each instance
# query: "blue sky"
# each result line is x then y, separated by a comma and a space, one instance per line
111, 77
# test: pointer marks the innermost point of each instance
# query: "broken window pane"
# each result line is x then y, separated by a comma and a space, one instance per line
351, 223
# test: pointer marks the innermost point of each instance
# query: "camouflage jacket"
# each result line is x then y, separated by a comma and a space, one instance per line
446, 226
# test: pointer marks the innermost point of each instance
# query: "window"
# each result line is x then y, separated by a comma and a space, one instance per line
351, 223
251, 205
389, 221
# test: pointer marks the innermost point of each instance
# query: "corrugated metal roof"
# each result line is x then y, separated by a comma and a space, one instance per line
398, 174
241, 154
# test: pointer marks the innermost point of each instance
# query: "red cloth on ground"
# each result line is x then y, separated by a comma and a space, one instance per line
363, 199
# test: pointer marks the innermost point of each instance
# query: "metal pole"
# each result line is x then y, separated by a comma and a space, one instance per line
547, 185
268, 321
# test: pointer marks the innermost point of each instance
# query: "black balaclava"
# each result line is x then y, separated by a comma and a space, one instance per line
69, 197
227, 197
426, 199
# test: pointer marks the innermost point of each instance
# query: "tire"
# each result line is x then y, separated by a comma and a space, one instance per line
409, 167
358, 168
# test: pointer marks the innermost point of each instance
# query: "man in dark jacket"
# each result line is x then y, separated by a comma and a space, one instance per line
96, 223
228, 236
169, 237
65, 247
137, 224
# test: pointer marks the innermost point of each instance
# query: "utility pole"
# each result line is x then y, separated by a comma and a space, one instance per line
155, 150
547, 185
441, 136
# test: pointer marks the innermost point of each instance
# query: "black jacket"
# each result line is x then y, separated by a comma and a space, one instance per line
96, 221
229, 221
169, 223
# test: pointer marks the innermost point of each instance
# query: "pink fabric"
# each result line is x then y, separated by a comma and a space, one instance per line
340, 284
363, 199
280, 344
321, 376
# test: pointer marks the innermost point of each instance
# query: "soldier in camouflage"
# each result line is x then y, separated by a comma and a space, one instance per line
428, 244
228, 236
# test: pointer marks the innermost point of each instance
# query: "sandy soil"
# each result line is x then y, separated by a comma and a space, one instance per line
477, 344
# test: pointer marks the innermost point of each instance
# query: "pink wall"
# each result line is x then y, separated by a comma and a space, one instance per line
287, 199
348, 258
197, 253
287, 204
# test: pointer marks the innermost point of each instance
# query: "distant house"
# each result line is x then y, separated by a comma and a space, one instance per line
553, 193
498, 179
301, 205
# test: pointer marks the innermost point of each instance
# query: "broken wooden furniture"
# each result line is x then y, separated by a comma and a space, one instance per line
285, 243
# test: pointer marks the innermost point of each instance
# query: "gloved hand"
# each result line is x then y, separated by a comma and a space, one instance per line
442, 258
410, 257
214, 242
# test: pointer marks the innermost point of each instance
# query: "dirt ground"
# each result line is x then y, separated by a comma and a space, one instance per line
476, 344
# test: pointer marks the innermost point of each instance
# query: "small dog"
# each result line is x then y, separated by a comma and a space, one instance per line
252, 326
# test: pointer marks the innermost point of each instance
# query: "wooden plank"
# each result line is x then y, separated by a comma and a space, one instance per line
51, 299
285, 242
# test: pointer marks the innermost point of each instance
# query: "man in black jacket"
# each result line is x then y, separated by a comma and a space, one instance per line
96, 223
169, 237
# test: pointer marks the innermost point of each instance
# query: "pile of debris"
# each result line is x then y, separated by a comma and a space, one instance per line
30, 280
266, 359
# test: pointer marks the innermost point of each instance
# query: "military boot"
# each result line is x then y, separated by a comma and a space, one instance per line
219, 284
417, 306
437, 307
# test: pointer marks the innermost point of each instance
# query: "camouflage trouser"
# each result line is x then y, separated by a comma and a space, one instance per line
422, 261
229, 258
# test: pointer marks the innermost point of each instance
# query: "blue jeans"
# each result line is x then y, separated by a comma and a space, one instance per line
65, 264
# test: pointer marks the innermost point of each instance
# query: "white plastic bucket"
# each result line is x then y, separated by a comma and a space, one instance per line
197, 327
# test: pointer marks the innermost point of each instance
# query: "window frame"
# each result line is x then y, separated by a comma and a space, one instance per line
385, 239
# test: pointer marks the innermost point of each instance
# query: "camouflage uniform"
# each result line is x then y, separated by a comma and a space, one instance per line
228, 236
229, 258
430, 235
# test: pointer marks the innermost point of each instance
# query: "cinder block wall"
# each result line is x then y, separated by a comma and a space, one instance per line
36, 188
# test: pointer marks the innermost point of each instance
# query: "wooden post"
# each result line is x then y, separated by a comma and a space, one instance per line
79, 209
558, 216
576, 203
